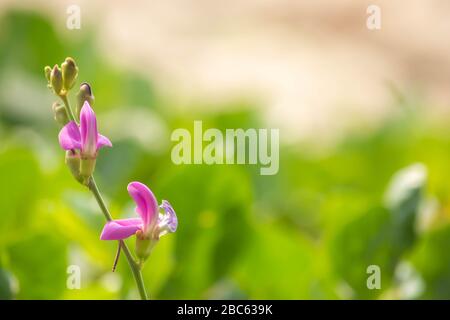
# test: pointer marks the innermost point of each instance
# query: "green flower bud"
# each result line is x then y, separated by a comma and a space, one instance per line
56, 79
85, 94
60, 114
69, 73
47, 71
73, 162
87, 167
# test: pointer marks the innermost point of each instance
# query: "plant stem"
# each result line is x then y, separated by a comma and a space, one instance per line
68, 108
135, 268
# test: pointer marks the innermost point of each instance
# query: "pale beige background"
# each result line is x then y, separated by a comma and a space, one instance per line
313, 66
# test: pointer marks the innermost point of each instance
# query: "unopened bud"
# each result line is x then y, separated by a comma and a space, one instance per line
69, 73
56, 79
60, 114
85, 94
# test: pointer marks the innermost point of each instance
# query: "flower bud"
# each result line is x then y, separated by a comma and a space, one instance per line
47, 71
87, 167
144, 246
85, 94
60, 114
56, 79
73, 162
69, 73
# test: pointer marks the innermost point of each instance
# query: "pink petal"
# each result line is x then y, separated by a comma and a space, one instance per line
88, 130
103, 142
69, 136
120, 229
147, 206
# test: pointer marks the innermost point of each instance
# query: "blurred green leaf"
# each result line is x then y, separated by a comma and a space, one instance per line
6, 286
160, 265
19, 186
28, 40
363, 242
403, 199
432, 261
381, 236
70, 227
213, 225
278, 264
39, 263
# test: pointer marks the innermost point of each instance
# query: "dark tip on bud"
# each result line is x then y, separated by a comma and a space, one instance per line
86, 88
70, 62
85, 94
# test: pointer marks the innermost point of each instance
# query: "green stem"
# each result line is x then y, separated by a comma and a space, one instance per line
69, 111
135, 267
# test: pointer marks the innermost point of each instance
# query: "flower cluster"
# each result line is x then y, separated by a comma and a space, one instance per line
80, 138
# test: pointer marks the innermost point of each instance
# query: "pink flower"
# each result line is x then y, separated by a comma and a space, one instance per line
151, 224
84, 137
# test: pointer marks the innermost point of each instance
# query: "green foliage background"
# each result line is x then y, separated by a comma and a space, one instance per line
309, 232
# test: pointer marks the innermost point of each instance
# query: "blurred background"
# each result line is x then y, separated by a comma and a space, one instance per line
364, 148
